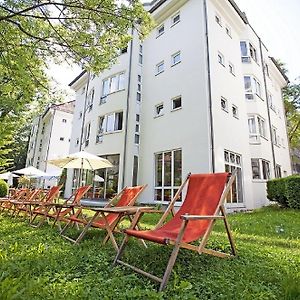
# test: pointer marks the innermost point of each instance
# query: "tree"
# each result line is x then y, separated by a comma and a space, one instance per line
36, 32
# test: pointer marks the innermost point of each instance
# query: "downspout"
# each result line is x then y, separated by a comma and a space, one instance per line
211, 126
48, 147
127, 110
36, 136
267, 103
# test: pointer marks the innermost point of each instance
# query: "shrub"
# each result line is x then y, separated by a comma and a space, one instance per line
292, 191
3, 188
276, 191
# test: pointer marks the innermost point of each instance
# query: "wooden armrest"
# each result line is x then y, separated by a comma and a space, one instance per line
196, 217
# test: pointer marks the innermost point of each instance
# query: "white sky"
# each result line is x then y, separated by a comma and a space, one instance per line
275, 21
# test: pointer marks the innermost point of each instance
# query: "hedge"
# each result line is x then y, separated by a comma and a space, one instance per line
3, 188
285, 191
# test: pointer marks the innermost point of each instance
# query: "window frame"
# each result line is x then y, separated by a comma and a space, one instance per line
264, 171
173, 17
161, 26
157, 72
161, 113
223, 99
172, 103
221, 59
119, 87
173, 63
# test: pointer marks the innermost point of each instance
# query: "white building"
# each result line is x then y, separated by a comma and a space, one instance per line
50, 138
199, 95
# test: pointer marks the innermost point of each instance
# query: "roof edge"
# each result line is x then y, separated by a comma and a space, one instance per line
77, 78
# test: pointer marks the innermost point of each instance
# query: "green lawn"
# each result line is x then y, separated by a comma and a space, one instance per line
39, 264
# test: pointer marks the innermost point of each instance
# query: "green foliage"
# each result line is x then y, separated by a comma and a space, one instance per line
34, 33
285, 191
276, 191
62, 180
3, 188
268, 263
23, 181
293, 192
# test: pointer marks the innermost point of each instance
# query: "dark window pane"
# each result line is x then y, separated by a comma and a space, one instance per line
167, 168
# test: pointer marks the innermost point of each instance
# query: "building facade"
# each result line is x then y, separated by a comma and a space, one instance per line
50, 138
200, 94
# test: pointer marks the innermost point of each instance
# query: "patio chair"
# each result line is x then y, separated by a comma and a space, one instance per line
40, 208
203, 205
7, 203
60, 210
109, 222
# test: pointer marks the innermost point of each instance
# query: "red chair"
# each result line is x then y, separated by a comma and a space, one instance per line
126, 198
42, 207
203, 205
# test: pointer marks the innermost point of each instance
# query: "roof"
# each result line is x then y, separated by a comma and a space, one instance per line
279, 69
77, 78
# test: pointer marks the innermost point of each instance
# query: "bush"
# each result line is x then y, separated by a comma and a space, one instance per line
3, 188
292, 191
276, 191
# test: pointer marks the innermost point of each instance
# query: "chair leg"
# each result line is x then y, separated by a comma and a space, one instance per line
121, 249
173, 257
228, 231
65, 228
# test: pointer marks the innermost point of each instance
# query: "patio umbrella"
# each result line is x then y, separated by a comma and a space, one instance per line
31, 172
81, 160
7, 175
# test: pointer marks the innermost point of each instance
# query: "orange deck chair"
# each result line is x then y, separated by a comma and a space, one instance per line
61, 210
7, 203
203, 205
126, 198
40, 208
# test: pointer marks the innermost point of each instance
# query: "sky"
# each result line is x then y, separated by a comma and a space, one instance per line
275, 21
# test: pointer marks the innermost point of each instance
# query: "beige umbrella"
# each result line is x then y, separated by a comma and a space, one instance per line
31, 172
81, 160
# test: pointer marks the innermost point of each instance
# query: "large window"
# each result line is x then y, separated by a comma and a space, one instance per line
260, 168
109, 123
168, 174
252, 87
257, 128
233, 161
113, 84
248, 51
87, 130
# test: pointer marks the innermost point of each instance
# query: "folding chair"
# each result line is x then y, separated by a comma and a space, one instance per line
203, 205
7, 203
109, 222
63, 209
42, 207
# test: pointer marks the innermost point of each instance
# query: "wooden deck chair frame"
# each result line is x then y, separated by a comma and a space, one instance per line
6, 203
45, 205
110, 228
219, 214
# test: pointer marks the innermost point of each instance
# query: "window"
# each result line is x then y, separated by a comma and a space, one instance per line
275, 137
80, 115
175, 19
160, 30
271, 102
231, 68
113, 84
87, 134
43, 128
159, 110
257, 128
252, 87
64, 120
77, 142
233, 161
139, 87
267, 69
260, 168
168, 177
83, 90
224, 104
138, 97
90, 100
124, 50
218, 20
137, 128
278, 171
176, 103
139, 78
228, 31
136, 138
176, 59
137, 118
160, 67
135, 170
61, 138
221, 59
109, 123
247, 52
141, 55
235, 112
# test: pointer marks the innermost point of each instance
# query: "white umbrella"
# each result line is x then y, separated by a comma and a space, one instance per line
81, 160
7, 175
31, 172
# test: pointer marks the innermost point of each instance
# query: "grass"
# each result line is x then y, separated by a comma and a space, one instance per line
39, 264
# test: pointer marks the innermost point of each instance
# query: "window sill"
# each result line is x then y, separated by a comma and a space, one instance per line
260, 180
159, 35
236, 117
225, 110
176, 109
222, 64
102, 97
158, 116
112, 132
174, 24
175, 64
159, 73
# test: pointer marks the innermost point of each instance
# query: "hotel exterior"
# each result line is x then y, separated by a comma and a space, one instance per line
50, 138
200, 94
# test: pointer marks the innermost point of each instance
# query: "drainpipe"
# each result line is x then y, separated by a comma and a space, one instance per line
211, 125
48, 146
267, 103
36, 136
127, 110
